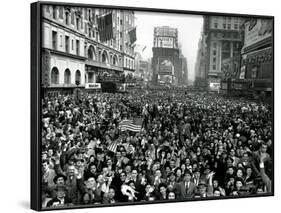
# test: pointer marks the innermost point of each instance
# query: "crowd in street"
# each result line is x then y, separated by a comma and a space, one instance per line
191, 146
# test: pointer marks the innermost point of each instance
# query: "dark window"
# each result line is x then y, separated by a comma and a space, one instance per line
67, 44
55, 76
77, 47
229, 26
78, 76
77, 23
224, 26
67, 76
214, 52
121, 21
54, 40
67, 18
72, 44
214, 60
235, 26
214, 67
121, 34
54, 12
215, 25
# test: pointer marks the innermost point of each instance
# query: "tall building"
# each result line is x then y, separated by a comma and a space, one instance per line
223, 42
165, 61
200, 80
74, 51
256, 73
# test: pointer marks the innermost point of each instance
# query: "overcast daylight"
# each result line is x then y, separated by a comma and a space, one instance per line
189, 29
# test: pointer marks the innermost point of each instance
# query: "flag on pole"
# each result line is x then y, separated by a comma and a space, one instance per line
133, 125
133, 35
105, 27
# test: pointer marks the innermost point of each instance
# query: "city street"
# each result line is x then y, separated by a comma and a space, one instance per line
139, 111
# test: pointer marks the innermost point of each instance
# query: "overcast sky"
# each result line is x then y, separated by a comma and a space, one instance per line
189, 30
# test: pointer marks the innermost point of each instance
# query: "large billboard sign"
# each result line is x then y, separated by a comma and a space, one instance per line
166, 66
257, 30
165, 42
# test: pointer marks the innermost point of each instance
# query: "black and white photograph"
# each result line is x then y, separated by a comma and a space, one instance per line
140, 106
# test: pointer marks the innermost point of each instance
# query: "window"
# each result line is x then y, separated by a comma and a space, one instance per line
121, 34
54, 40
214, 60
121, 22
72, 44
66, 18
86, 29
214, 44
67, 76
55, 76
77, 23
97, 35
60, 40
93, 33
215, 25
54, 12
224, 26
61, 12
229, 26
67, 44
215, 35
121, 47
89, 15
72, 18
90, 32
235, 26
214, 52
90, 77
214, 67
77, 47
78, 76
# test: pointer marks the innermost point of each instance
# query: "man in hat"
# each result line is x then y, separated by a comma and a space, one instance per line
60, 199
59, 180
204, 189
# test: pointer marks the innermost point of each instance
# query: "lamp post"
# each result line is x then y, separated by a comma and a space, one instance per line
77, 84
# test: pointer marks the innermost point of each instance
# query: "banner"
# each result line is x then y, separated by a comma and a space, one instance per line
105, 27
133, 35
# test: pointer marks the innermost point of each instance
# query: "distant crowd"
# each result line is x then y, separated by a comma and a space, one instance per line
191, 146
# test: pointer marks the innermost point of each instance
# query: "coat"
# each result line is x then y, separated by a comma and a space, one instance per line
183, 193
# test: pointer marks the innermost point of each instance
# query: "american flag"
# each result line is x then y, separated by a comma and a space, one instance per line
133, 125
113, 146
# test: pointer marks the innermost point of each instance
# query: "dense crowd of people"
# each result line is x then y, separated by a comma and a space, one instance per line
191, 145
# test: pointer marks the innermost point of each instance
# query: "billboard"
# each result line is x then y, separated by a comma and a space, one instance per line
165, 42
257, 30
166, 66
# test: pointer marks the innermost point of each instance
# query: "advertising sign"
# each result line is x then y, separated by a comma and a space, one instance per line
165, 42
165, 66
257, 30
93, 86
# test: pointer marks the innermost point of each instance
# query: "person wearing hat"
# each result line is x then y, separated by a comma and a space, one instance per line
204, 189
186, 188
60, 199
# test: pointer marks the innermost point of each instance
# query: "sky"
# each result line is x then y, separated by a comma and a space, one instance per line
189, 30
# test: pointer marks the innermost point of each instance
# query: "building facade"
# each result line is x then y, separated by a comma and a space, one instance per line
165, 61
223, 40
73, 53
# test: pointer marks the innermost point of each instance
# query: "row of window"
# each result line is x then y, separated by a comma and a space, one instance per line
67, 42
226, 35
55, 74
229, 26
70, 18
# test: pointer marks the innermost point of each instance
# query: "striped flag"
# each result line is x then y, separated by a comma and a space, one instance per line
133, 125
113, 146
